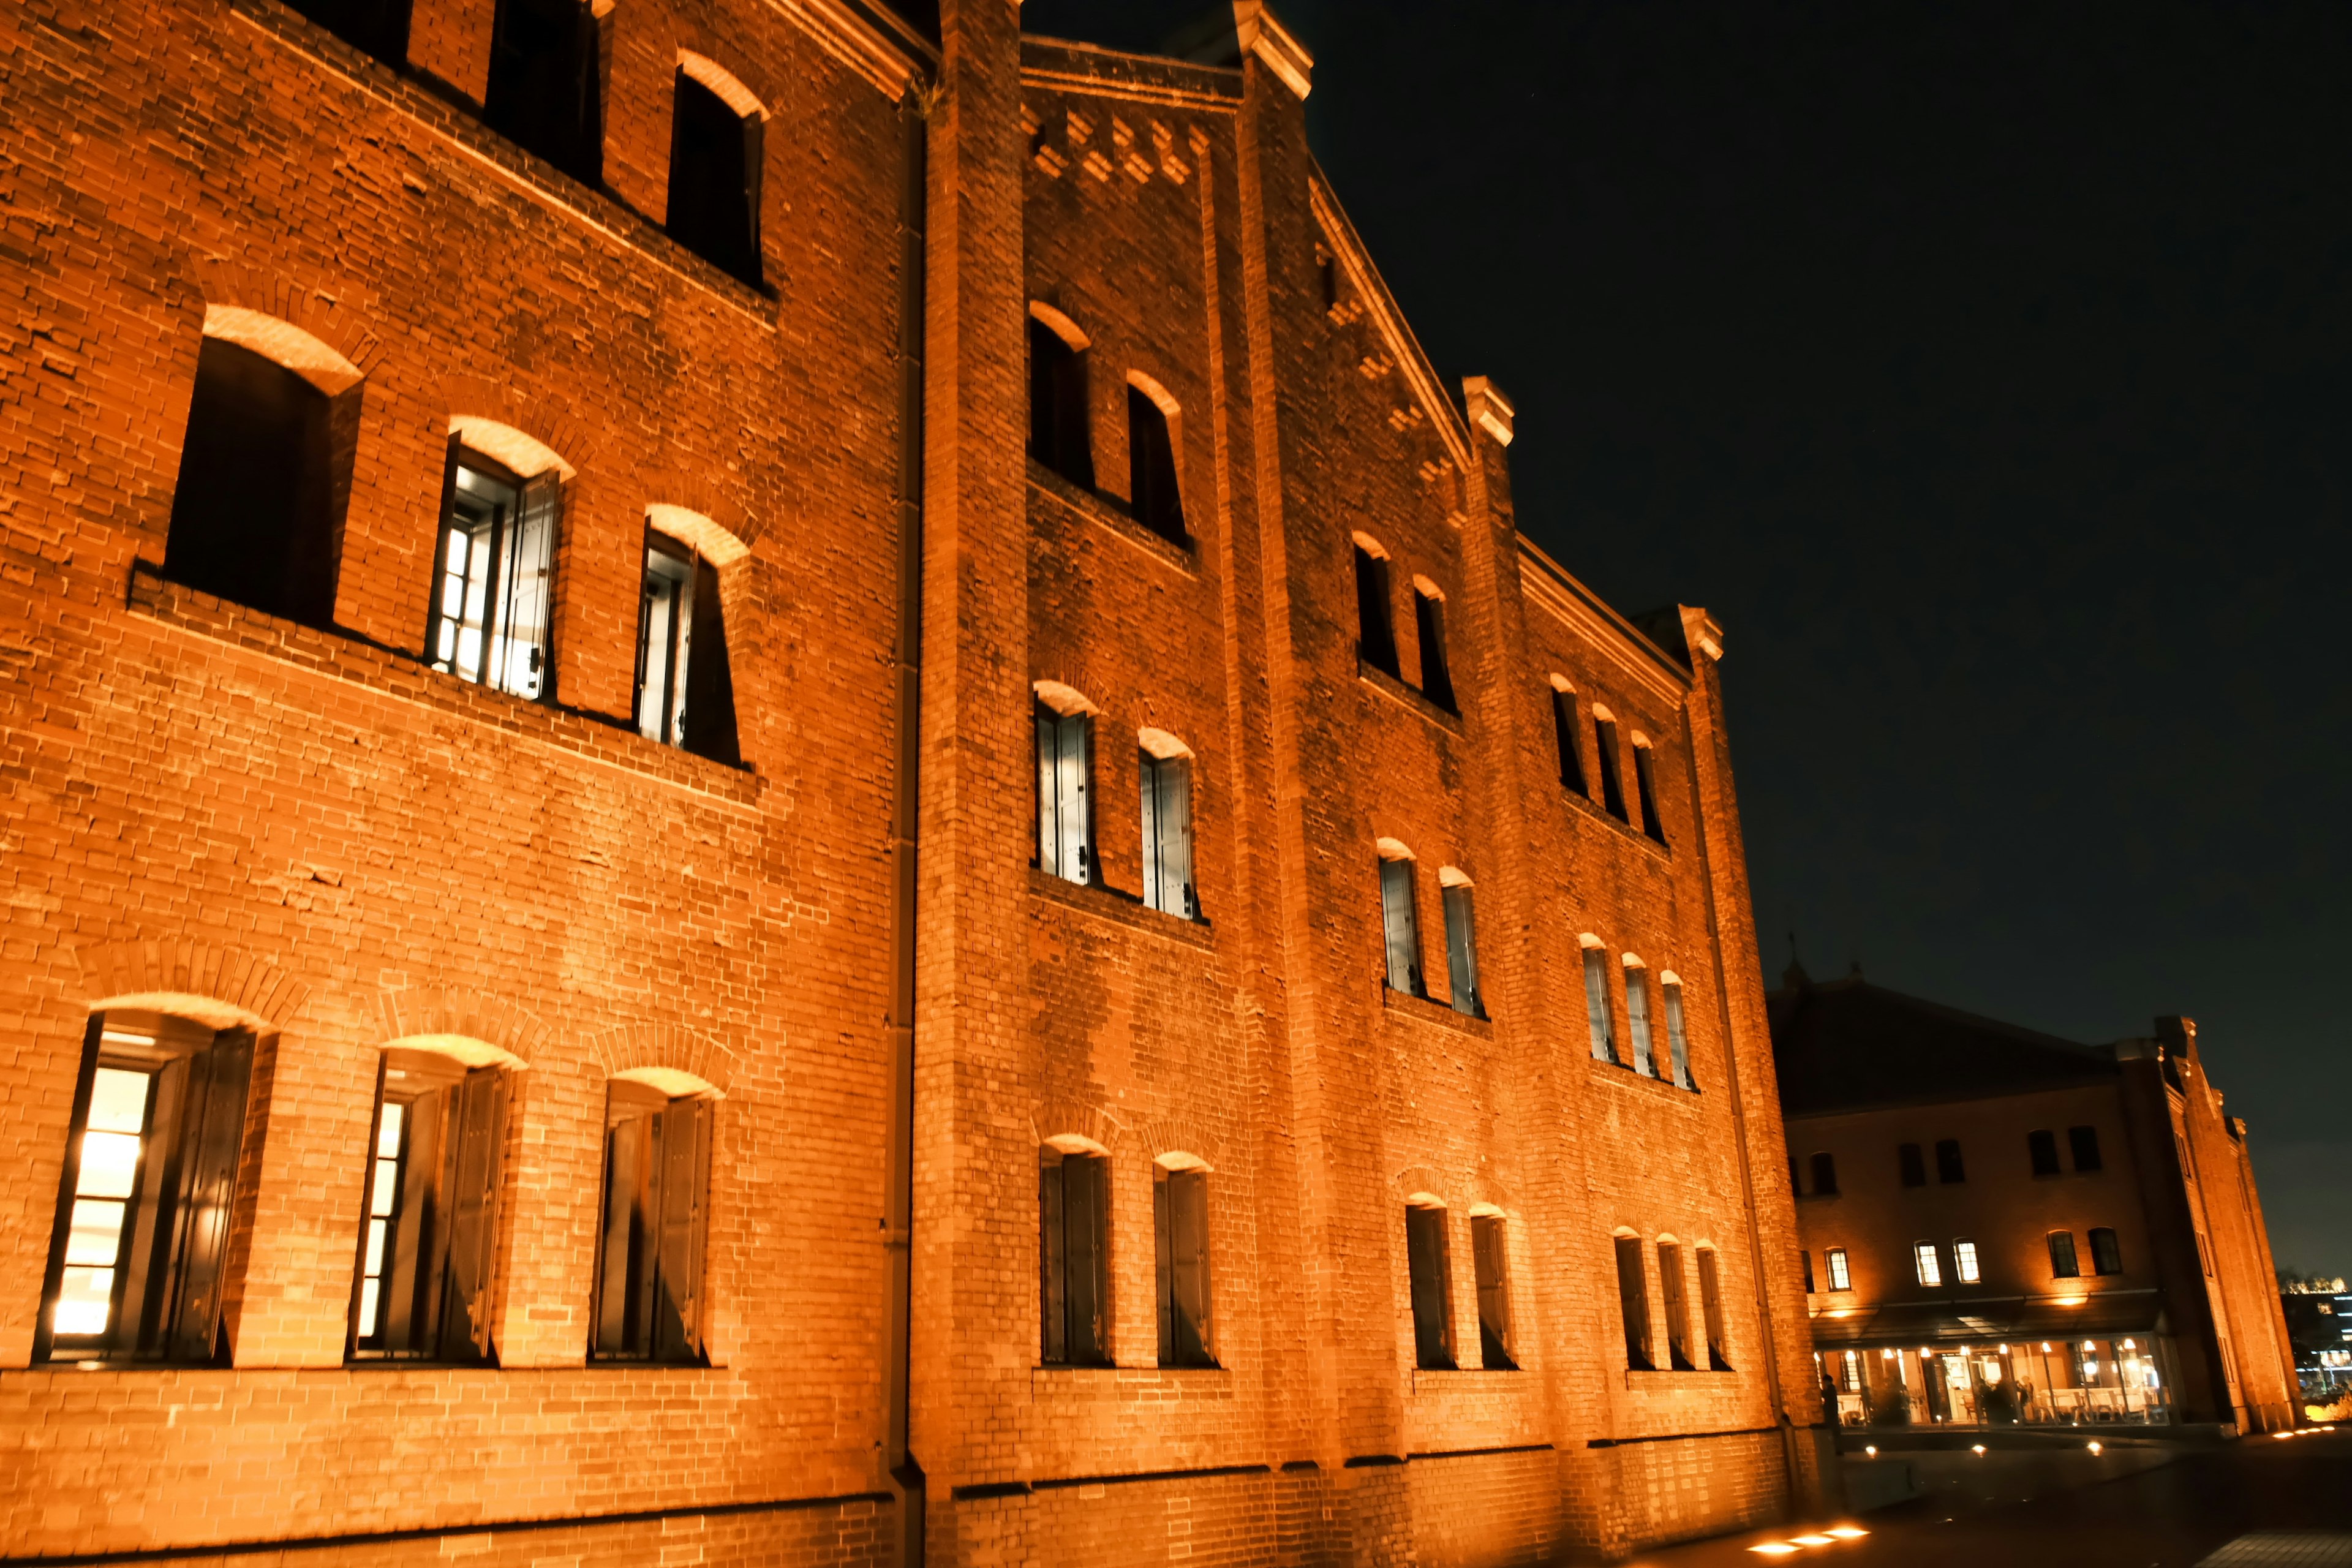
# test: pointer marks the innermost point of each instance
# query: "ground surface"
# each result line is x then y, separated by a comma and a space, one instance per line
2260, 1503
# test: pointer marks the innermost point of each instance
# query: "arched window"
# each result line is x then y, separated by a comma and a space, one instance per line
1596, 999
1633, 1302
1400, 927
1060, 434
378, 26
714, 169
264, 468
1375, 630
1676, 1291
1074, 1253
1180, 1212
1612, 786
1490, 1250
547, 80
1670, 986
1564, 730
1066, 746
140, 1259
1646, 790
1165, 770
492, 615
1710, 1296
1637, 1017
1152, 487
685, 687
429, 1242
1428, 621
1430, 1270
650, 1246
1461, 942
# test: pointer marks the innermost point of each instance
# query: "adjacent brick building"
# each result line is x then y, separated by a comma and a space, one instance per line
2001, 1227
780, 787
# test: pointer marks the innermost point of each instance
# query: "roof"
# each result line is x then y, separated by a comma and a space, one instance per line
1847, 1044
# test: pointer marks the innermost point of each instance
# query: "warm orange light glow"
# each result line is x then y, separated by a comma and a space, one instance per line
1773, 1548
2069, 1301
1872, 1451
1846, 1532
1978, 1449
1813, 1540
2094, 1447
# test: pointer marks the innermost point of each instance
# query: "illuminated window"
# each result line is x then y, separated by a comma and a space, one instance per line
140, 1259
1931, 1272
1840, 1279
2062, 1263
686, 691
1964, 1261
1074, 1257
1180, 1226
492, 609
1430, 1274
649, 1264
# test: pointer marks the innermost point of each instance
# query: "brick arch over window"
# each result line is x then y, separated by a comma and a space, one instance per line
437, 1013
1180, 1135
221, 986
651, 1047
1424, 1178
698, 531
338, 319
665, 485
1063, 1118
486, 399
729, 88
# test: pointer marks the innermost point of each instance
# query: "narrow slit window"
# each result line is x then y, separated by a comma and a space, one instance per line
1677, 1296
493, 600
2041, 1150
1913, 1164
1059, 436
2084, 1143
1637, 1021
429, 1234
1824, 1171
1167, 793
1375, 631
546, 83
1488, 1244
1964, 1262
1596, 1005
1065, 820
1633, 1303
139, 1260
1710, 1296
1073, 1226
1949, 1167
714, 180
265, 476
1461, 951
1433, 1291
2106, 1254
1612, 787
1399, 928
649, 1264
1152, 489
1840, 1277
1678, 1042
1179, 1209
1564, 729
1930, 1267
1429, 622
685, 687
1647, 791
2063, 1264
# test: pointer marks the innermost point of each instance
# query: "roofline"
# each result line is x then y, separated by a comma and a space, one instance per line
1068, 65
2094, 1079
1533, 557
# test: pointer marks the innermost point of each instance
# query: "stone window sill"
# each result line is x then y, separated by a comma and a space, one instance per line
1432, 1011
1106, 513
1396, 690
1118, 908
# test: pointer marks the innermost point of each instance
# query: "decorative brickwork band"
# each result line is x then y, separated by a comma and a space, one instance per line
638, 1047
412, 1015
168, 975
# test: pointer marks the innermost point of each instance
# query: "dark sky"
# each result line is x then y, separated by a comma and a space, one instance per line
1987, 370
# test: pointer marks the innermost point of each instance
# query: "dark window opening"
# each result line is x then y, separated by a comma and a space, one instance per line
685, 690
1948, 1166
429, 1246
1058, 434
714, 180
1710, 1296
1065, 824
2062, 1263
546, 87
1805, 1262
2041, 1148
1461, 953
1433, 1290
1074, 1249
1645, 789
1488, 1245
1633, 1303
1327, 268
1564, 732
2084, 1142
1913, 1164
650, 1250
1400, 929
1428, 621
140, 1259
1825, 1175
1670, 1277
1612, 787
378, 26
265, 476
1179, 1209
2106, 1254
1154, 496
1375, 632
1167, 790
492, 614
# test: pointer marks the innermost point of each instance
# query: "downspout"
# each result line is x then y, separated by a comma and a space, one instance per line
905, 1476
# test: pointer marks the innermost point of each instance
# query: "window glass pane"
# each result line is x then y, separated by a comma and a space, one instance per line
388, 1182
1596, 1005
1931, 1272
1964, 1259
1839, 1279
387, 1135
96, 1232
85, 1301
1637, 1021
370, 1293
117, 1101
109, 1164
664, 625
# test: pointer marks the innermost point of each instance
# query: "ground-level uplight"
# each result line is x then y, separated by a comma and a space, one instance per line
1773, 1548
1845, 1532
2094, 1447
1978, 1449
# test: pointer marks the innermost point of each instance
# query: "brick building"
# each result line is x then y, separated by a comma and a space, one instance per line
2001, 1227
780, 787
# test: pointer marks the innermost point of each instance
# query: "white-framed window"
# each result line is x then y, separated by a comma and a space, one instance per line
1839, 1278
1931, 1268
1964, 1261
1065, 833
1167, 802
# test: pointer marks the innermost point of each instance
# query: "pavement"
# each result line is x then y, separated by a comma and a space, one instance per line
2254, 1502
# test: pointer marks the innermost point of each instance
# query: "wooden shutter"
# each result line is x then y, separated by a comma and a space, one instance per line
212, 1141
68, 1178
1163, 1248
1670, 1276
1637, 1022
477, 1156
1633, 1303
1073, 732
415, 1271
685, 1141
1052, 1265
1425, 1261
1187, 1202
1710, 1295
1085, 1225
1612, 789
710, 681
1396, 918
1172, 784
1487, 1242
620, 1263
1461, 951
1147, 772
1596, 1005
441, 559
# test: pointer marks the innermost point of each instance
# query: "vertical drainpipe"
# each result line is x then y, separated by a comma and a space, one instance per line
905, 1476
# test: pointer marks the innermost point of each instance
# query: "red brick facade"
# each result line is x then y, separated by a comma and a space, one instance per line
218, 814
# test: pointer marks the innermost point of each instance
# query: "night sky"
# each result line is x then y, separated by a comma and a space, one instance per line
1987, 372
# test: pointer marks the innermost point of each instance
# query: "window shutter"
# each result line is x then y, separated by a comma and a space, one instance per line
414, 1274
709, 728
1425, 1261
524, 630
1646, 784
1175, 814
1436, 681
1085, 1194
1163, 1247
1486, 1240
1677, 1043
212, 1141
480, 1113
1461, 951
1187, 1194
685, 1200
1147, 772
1670, 1276
1403, 936
1053, 1261
1612, 787
1637, 1022
1710, 1293
1072, 735
1049, 816
1633, 1302
626, 1147
1596, 1005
